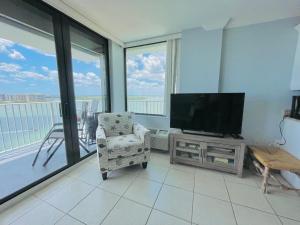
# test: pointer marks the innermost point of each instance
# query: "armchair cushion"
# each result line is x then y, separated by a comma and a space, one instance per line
116, 124
124, 145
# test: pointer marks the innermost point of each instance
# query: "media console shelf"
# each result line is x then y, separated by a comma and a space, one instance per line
224, 154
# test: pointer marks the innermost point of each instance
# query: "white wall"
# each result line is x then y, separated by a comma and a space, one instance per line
291, 131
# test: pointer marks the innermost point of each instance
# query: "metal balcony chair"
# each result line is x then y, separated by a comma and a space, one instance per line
56, 134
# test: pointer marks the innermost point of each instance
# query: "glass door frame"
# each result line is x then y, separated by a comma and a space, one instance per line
61, 25
68, 83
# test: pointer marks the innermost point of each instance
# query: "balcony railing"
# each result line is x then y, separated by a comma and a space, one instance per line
146, 106
23, 124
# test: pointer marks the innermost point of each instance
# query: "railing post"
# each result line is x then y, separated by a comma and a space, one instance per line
1, 131
52, 113
14, 118
21, 123
27, 123
8, 126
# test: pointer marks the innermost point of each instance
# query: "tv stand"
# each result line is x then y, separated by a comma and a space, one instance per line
224, 154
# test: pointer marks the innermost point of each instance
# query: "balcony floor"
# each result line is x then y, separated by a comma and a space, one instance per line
16, 170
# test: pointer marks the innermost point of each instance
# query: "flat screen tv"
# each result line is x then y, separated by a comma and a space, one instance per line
218, 113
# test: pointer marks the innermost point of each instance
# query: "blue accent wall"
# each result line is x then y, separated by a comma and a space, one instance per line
200, 60
258, 60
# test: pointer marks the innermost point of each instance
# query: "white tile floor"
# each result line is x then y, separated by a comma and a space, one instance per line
163, 194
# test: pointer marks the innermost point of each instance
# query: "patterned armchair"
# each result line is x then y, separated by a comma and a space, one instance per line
121, 142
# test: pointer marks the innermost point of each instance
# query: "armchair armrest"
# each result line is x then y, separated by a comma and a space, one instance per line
102, 149
140, 131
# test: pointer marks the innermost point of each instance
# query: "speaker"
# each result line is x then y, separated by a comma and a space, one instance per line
295, 111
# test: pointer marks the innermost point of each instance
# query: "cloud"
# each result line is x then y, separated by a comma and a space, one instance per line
148, 66
14, 54
146, 73
5, 47
31, 75
9, 67
87, 79
140, 84
132, 66
45, 68
5, 44
154, 64
38, 50
4, 81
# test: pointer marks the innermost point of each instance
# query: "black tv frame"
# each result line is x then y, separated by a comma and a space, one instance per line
210, 134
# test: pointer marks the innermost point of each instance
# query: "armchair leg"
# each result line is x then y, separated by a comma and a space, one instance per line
104, 176
144, 165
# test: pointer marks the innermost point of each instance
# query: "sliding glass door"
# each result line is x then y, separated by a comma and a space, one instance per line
90, 83
53, 84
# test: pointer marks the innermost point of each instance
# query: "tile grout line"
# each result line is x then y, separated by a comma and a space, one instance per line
44, 201
298, 221
118, 200
67, 213
162, 184
275, 213
224, 180
239, 204
23, 214
142, 204
193, 198
72, 218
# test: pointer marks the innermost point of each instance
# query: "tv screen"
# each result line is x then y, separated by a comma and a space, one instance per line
220, 113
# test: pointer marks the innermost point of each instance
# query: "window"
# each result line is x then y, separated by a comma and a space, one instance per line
146, 78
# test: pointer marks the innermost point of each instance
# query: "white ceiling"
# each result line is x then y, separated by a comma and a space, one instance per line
131, 20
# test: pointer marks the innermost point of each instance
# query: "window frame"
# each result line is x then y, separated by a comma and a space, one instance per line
125, 80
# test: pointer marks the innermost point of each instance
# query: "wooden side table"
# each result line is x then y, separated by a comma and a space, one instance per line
273, 158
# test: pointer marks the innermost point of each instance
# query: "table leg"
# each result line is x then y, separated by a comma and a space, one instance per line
265, 180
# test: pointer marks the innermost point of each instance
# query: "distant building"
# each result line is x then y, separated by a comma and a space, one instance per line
23, 98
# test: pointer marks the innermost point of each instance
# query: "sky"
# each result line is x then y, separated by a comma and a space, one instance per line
146, 70
27, 70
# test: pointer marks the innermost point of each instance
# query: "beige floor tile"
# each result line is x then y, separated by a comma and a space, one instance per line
248, 216
18, 210
160, 218
93, 209
175, 201
210, 211
248, 196
44, 214
180, 179
143, 191
127, 212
